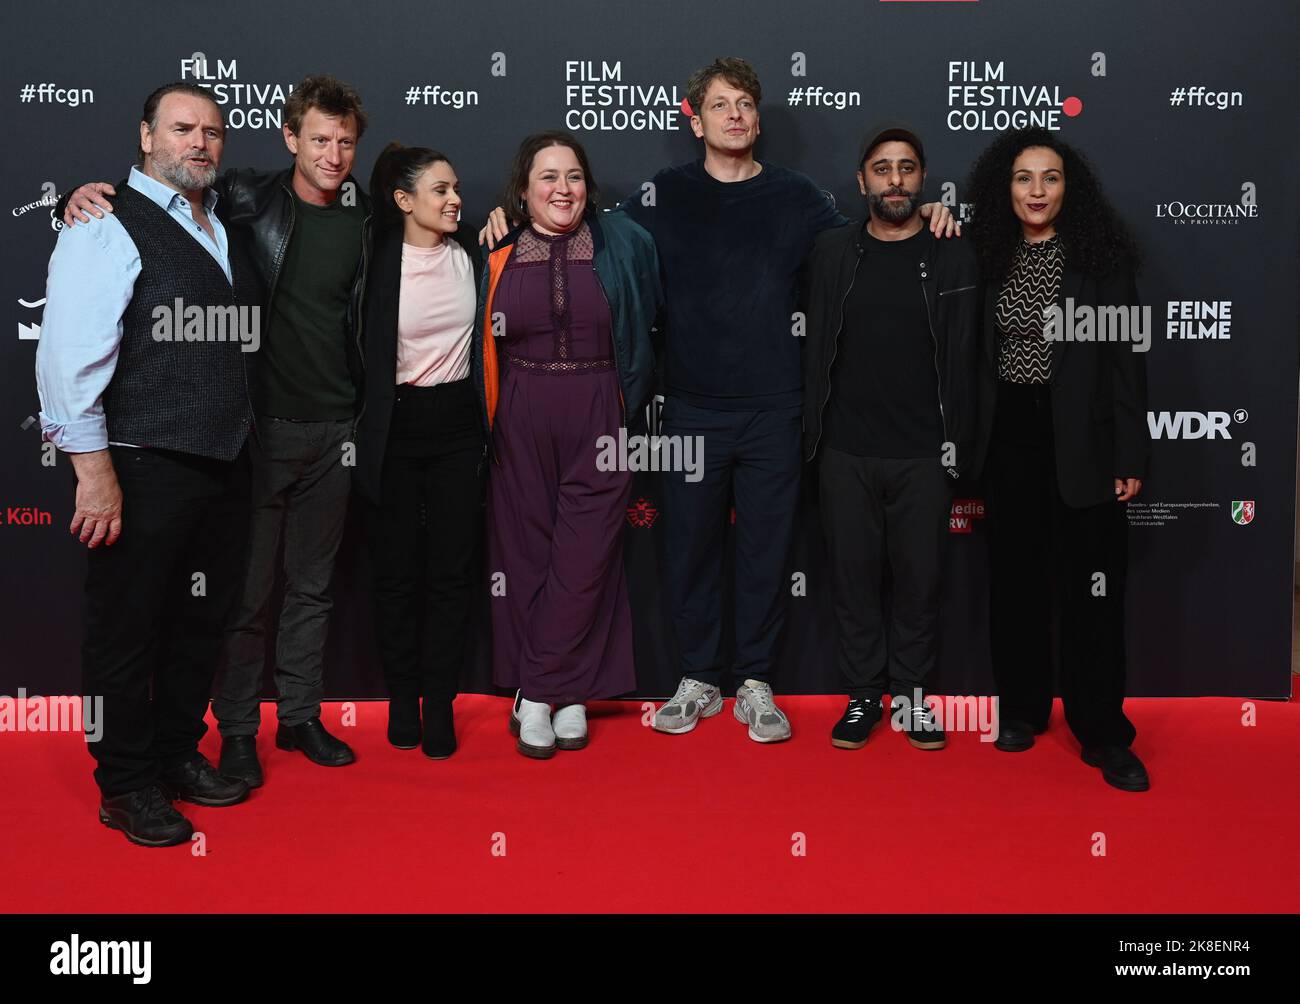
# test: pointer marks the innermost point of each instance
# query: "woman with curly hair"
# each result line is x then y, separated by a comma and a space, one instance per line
1068, 442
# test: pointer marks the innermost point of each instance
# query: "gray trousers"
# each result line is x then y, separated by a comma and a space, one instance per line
300, 492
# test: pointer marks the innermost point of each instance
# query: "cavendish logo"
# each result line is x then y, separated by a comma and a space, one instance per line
1243, 512
642, 514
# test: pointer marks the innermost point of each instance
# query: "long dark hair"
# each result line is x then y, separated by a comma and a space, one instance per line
523, 163
1093, 237
398, 168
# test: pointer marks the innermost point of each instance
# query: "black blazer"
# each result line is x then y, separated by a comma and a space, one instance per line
379, 351
1099, 393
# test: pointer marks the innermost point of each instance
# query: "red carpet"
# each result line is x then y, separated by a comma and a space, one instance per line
645, 822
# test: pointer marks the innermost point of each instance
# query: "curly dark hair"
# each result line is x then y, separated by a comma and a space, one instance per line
1093, 237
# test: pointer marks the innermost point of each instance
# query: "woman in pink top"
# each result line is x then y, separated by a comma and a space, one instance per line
420, 461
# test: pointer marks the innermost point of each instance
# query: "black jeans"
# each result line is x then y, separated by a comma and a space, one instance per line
300, 492
425, 538
876, 509
756, 454
157, 603
1044, 550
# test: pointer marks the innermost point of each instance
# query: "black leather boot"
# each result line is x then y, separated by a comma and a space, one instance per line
316, 744
439, 741
404, 722
239, 760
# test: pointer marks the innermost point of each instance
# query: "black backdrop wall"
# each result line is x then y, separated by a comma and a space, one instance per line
1187, 111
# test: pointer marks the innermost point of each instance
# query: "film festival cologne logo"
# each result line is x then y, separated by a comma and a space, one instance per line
600, 97
245, 104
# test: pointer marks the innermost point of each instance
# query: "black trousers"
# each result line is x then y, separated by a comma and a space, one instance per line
876, 510
156, 606
756, 455
1044, 552
425, 538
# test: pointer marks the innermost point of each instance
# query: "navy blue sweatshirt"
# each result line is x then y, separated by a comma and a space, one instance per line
730, 254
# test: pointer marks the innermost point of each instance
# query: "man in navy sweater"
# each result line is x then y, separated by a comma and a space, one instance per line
732, 233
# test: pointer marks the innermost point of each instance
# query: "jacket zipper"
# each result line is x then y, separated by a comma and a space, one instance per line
613, 339
284, 244
938, 378
835, 347
361, 309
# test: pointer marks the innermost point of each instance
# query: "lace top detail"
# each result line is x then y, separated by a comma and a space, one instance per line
574, 309
557, 250
1024, 356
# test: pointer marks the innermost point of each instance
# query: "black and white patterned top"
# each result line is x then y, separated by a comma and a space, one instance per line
1024, 356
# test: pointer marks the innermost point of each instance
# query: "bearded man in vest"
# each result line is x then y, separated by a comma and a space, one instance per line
151, 321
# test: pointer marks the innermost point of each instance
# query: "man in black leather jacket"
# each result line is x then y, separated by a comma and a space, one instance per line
890, 391
308, 230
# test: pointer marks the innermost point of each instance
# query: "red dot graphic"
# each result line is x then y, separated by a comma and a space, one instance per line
1071, 106
686, 107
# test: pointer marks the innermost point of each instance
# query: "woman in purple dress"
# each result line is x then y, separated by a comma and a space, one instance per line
567, 303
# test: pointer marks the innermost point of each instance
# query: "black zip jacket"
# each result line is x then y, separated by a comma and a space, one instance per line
948, 280
259, 204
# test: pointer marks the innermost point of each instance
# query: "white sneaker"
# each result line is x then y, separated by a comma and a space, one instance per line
531, 722
754, 707
694, 700
570, 725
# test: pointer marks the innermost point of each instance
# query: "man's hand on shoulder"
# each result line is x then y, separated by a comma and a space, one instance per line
91, 199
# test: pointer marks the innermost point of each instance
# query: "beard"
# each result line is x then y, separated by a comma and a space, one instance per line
893, 212
183, 173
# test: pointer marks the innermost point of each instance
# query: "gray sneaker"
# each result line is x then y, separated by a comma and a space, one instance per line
754, 706
694, 700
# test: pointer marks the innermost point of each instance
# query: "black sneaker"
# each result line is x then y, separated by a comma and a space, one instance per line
855, 725
146, 817
921, 729
197, 781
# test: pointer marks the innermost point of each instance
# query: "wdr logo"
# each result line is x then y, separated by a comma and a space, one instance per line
1193, 424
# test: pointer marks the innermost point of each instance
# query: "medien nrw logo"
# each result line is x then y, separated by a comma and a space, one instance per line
53, 714
651, 453
75, 957
1211, 213
209, 323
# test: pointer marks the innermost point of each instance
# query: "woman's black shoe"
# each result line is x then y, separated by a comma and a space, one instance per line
317, 745
439, 741
404, 722
855, 725
1015, 737
1119, 765
146, 817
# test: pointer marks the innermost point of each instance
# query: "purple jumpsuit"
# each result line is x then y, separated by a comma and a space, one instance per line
563, 630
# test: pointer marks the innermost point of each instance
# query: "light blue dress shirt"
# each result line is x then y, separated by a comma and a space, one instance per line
90, 282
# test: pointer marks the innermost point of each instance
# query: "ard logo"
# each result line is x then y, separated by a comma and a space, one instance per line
642, 514
1243, 512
